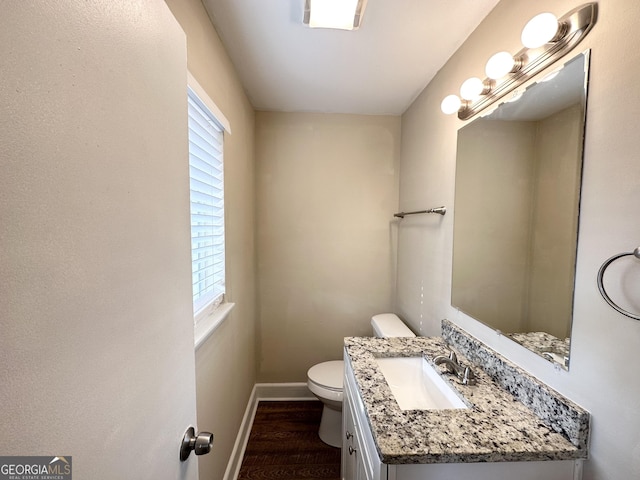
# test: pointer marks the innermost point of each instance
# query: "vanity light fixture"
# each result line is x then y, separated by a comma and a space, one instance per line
338, 14
500, 64
546, 39
541, 29
450, 104
472, 88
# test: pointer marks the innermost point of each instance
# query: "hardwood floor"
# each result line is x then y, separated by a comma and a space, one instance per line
284, 444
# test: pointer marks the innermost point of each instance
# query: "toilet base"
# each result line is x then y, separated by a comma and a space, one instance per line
330, 431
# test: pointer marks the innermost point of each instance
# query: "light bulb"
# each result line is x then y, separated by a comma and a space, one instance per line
472, 88
450, 104
539, 30
499, 65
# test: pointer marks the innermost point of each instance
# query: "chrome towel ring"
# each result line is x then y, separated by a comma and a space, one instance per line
635, 253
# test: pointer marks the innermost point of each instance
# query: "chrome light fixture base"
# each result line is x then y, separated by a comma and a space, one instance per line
573, 27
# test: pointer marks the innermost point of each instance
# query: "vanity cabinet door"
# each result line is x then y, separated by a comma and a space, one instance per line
360, 459
349, 459
353, 462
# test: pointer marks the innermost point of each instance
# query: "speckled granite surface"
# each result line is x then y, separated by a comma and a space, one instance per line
557, 411
496, 427
541, 342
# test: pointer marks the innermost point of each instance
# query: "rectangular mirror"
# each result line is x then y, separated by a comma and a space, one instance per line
518, 176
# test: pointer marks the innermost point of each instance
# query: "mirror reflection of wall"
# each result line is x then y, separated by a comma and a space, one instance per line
518, 175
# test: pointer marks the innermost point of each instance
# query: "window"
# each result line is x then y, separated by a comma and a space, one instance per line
206, 138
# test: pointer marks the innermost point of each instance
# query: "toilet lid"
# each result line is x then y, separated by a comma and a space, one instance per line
328, 374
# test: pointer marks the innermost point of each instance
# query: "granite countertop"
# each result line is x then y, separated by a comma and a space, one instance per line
542, 342
496, 428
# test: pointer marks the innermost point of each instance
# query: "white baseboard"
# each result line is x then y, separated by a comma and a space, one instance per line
261, 391
283, 391
235, 461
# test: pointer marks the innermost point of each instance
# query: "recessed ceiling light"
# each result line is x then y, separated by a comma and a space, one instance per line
339, 14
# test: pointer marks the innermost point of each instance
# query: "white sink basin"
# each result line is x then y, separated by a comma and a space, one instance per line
416, 385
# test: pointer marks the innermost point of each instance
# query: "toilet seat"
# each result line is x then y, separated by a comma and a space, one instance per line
326, 379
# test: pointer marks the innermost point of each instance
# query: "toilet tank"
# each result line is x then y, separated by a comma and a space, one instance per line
389, 325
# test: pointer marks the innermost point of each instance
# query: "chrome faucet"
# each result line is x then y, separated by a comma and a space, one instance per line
464, 374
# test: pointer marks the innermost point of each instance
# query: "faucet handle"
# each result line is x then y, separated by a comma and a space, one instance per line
453, 357
469, 377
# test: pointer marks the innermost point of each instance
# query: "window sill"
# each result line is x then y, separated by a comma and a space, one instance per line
208, 324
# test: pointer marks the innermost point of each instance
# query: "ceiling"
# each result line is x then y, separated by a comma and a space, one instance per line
378, 69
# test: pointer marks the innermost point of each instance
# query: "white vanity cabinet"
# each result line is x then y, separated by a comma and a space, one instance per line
360, 460
352, 467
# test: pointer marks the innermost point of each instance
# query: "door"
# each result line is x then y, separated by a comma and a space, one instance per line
96, 335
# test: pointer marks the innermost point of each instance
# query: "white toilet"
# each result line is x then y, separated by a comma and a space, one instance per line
325, 380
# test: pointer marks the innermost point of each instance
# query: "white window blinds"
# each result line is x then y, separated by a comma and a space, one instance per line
207, 204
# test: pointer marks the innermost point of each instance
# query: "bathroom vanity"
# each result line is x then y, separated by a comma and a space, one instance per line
490, 434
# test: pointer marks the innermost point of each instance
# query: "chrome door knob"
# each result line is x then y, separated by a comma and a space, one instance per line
200, 443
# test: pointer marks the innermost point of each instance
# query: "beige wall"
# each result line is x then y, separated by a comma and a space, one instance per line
222, 391
602, 375
327, 191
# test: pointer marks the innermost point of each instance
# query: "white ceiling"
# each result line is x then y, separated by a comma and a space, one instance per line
379, 69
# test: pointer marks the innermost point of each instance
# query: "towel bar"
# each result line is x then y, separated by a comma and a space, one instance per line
439, 210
